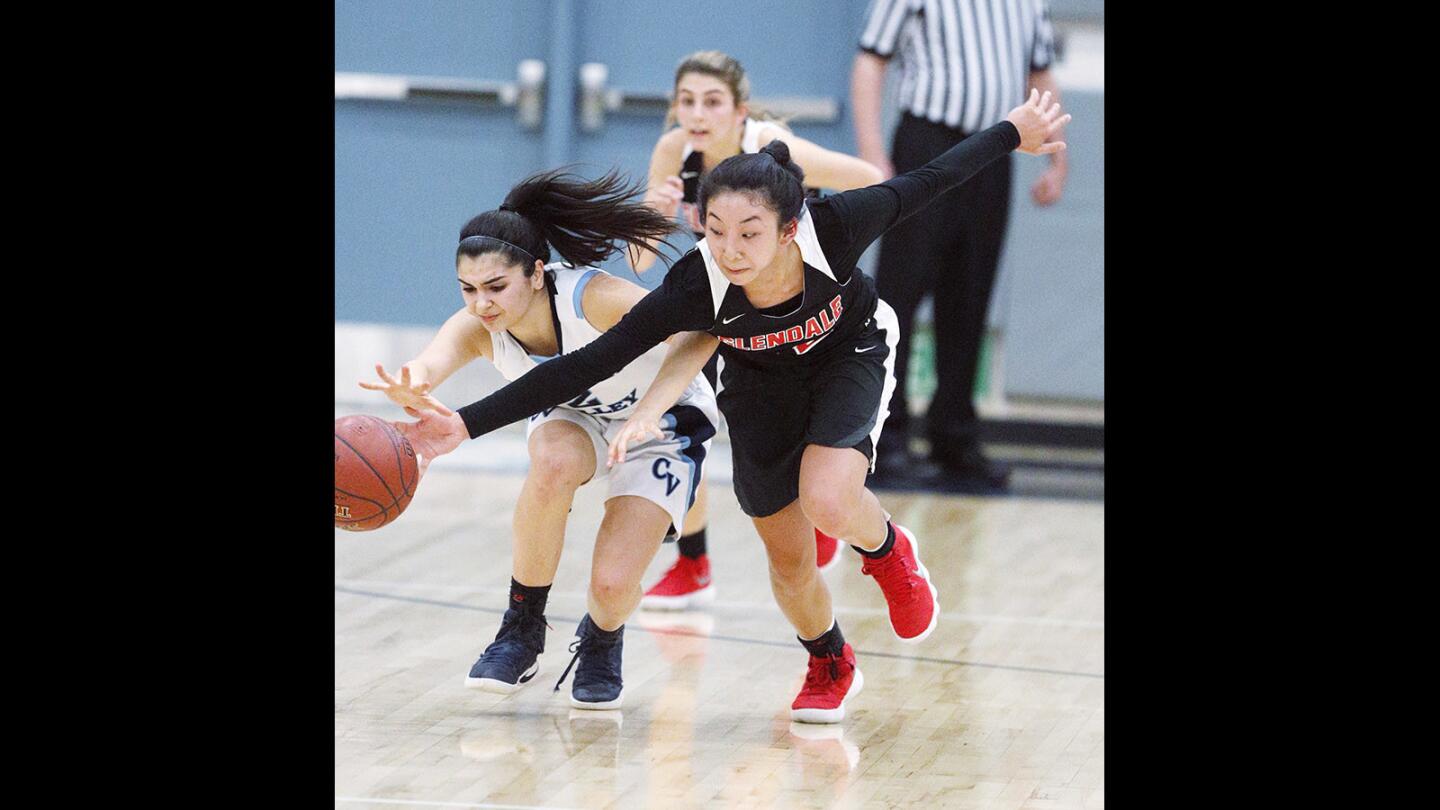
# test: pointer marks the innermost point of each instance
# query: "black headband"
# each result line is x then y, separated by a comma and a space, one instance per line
480, 239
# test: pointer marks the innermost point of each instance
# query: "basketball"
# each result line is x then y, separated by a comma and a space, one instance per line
375, 473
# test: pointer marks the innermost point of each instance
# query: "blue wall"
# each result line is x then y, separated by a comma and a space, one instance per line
408, 175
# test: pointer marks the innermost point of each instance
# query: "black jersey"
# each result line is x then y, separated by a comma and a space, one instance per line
695, 296
833, 307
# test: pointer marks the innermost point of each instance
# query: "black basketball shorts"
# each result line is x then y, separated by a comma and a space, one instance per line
841, 400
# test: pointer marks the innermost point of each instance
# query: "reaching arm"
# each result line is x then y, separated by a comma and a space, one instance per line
565, 377
680, 304
461, 339
869, 212
689, 351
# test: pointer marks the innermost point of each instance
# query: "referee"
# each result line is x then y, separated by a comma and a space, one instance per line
963, 64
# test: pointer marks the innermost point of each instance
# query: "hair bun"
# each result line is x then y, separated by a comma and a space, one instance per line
779, 150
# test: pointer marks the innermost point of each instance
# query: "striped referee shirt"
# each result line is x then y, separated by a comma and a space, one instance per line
963, 63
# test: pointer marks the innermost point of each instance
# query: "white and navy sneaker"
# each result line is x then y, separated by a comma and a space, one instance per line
513, 658
597, 683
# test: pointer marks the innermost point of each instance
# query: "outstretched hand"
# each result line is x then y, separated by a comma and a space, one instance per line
403, 393
1038, 119
434, 435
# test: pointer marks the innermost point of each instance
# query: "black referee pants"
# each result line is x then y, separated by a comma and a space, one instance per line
951, 247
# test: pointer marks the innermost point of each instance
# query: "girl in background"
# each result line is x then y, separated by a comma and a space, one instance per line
715, 121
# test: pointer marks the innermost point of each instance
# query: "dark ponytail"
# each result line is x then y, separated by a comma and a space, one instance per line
770, 175
580, 218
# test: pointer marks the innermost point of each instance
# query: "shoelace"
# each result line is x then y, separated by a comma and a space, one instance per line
892, 569
815, 680
522, 625
581, 646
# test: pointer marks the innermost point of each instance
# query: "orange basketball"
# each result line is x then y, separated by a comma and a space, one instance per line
375, 473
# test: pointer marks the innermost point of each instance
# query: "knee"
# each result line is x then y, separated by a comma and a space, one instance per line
829, 508
792, 573
791, 564
610, 587
557, 468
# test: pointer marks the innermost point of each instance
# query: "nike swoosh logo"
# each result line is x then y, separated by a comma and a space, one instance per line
736, 318
866, 349
688, 175
810, 344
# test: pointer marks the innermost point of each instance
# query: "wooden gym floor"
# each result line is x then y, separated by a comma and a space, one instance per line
1002, 707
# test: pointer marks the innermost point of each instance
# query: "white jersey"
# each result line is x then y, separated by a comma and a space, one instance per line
749, 139
613, 398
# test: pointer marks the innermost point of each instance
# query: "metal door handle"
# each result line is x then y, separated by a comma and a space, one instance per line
526, 94
596, 99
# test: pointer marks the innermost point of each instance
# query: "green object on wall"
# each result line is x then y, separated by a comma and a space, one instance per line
920, 386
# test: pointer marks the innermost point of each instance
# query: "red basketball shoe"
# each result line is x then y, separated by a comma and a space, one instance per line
913, 601
686, 585
830, 681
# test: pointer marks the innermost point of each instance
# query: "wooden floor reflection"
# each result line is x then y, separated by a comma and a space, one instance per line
1002, 707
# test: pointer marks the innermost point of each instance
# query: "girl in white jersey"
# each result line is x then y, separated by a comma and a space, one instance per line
521, 311
711, 106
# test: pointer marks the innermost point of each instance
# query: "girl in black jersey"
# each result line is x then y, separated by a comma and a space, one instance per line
807, 347
711, 108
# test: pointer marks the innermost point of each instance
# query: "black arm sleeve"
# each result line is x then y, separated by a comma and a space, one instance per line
660, 314
871, 211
